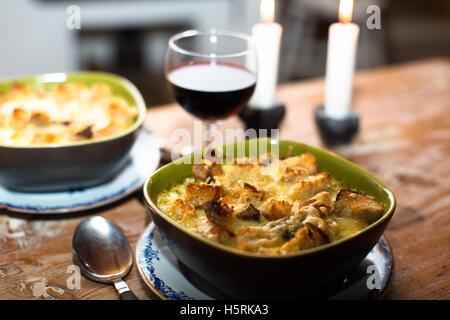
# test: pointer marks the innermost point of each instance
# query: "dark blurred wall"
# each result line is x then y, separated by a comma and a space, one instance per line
410, 30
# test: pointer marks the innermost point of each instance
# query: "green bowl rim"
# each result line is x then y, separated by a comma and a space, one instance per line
234, 251
125, 83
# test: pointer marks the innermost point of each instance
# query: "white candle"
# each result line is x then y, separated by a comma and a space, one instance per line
341, 56
267, 35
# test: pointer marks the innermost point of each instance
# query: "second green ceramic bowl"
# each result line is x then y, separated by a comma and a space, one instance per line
237, 274
83, 164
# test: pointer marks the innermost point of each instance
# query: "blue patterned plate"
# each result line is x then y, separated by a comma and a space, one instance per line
145, 158
162, 273
159, 268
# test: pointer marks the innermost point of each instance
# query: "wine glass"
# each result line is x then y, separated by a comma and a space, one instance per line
211, 73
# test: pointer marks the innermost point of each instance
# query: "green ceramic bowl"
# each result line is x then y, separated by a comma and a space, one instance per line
243, 275
77, 165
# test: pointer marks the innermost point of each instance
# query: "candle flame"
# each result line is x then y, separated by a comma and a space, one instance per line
345, 11
267, 11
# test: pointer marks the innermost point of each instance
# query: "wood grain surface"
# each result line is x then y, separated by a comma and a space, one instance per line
404, 140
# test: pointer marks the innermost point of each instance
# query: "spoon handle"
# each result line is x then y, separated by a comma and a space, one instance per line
128, 295
123, 291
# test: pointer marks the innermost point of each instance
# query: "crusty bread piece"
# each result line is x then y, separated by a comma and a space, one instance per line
199, 193
220, 214
20, 116
355, 204
306, 237
180, 210
246, 212
40, 118
246, 193
306, 160
310, 186
274, 209
259, 239
251, 193
211, 231
294, 232
318, 205
294, 174
206, 168
201, 170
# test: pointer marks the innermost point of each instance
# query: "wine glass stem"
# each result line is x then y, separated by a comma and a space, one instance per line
208, 126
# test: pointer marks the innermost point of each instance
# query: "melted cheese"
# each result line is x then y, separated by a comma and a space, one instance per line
273, 185
72, 112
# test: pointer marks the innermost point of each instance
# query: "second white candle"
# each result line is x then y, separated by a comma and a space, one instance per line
267, 38
341, 56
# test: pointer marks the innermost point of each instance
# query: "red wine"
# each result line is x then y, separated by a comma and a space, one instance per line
212, 91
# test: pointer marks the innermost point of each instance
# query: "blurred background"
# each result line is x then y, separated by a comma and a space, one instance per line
130, 37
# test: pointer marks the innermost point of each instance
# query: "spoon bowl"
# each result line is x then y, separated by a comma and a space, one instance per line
103, 253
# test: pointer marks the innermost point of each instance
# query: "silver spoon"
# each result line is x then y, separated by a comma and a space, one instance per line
103, 254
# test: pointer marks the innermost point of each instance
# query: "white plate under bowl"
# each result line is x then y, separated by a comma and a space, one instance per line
144, 159
160, 270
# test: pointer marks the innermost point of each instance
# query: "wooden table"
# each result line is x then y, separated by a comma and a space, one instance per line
404, 140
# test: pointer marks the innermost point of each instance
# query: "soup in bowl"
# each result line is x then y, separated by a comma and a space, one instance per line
65, 131
290, 223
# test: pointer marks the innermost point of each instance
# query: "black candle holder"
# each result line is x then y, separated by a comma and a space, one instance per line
267, 118
336, 132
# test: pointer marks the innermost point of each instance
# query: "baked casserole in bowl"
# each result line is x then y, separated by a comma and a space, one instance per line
291, 222
64, 131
